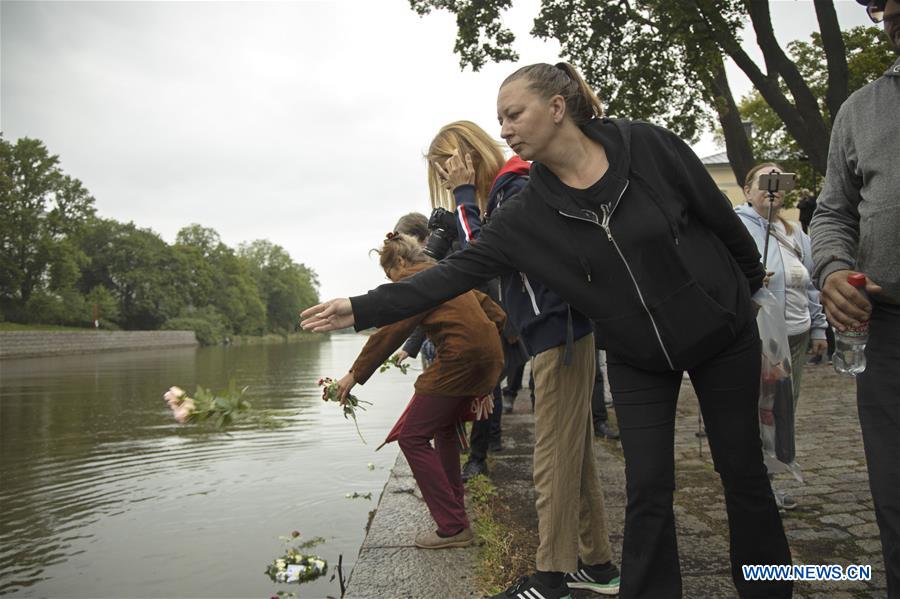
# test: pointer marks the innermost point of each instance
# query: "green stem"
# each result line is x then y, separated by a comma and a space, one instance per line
356, 424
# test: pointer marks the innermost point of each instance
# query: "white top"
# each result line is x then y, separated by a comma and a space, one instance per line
796, 281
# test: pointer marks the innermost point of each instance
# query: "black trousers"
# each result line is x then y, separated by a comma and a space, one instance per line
727, 388
878, 401
485, 431
598, 401
514, 380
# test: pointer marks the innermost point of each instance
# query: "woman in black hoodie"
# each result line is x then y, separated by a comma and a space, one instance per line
622, 221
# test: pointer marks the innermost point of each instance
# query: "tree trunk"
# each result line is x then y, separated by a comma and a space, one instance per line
835, 56
737, 143
805, 101
812, 139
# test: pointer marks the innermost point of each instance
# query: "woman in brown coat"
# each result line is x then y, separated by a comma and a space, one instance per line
466, 334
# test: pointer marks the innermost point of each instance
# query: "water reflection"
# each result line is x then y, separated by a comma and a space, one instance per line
104, 496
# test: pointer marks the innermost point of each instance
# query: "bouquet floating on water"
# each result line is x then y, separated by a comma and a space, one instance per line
331, 392
206, 405
296, 566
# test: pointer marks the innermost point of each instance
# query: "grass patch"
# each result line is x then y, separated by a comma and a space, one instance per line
494, 540
506, 549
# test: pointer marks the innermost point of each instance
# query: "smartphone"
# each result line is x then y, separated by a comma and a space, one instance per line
776, 182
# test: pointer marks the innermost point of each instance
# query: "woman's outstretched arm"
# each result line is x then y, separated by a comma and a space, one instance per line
460, 272
332, 315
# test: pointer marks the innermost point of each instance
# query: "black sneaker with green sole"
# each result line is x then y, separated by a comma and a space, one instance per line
529, 587
603, 579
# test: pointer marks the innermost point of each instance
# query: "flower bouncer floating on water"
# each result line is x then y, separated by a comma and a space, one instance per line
296, 566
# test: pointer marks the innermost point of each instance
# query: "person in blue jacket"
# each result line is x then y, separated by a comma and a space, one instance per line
623, 222
790, 263
569, 497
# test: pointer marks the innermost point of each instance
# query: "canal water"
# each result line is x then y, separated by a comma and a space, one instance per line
102, 494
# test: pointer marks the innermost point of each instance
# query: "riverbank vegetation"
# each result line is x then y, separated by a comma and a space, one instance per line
62, 264
499, 555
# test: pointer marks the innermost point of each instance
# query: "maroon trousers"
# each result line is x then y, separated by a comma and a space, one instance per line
436, 469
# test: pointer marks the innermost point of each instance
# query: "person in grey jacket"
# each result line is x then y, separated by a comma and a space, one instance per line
856, 228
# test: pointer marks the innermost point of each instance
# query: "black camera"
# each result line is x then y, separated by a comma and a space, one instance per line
442, 225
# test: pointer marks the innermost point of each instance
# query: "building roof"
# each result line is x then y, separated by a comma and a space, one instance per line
720, 158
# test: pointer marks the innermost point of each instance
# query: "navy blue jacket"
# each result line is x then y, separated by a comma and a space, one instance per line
539, 315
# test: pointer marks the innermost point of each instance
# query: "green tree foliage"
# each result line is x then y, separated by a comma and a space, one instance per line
217, 277
59, 263
284, 285
41, 207
106, 304
207, 323
482, 36
868, 56
140, 270
662, 61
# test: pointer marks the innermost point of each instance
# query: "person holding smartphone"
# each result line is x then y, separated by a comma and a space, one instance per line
789, 262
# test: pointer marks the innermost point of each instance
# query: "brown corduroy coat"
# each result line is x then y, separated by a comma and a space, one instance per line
466, 336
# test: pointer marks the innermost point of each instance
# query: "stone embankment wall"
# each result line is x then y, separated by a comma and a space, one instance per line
27, 344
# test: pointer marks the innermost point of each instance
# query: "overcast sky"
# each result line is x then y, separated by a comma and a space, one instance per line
299, 122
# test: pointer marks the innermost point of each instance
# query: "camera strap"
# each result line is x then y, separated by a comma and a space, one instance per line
789, 244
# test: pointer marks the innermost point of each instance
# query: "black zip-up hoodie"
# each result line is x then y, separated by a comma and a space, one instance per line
658, 259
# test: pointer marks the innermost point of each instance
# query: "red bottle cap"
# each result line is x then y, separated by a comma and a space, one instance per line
857, 280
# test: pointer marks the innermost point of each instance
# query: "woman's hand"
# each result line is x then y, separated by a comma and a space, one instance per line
400, 356
328, 316
819, 347
345, 384
484, 407
456, 171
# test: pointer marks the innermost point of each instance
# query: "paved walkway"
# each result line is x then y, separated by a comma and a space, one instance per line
834, 523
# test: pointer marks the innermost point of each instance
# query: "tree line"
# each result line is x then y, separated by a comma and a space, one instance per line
61, 263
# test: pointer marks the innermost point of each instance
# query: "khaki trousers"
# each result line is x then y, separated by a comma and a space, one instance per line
571, 514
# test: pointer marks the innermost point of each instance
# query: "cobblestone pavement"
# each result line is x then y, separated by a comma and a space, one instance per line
834, 522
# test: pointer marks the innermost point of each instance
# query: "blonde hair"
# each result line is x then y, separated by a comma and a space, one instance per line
748, 185
562, 79
400, 245
464, 137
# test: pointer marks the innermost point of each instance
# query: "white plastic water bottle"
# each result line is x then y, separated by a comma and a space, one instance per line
850, 345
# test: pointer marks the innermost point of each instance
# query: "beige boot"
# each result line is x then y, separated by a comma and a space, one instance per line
431, 540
